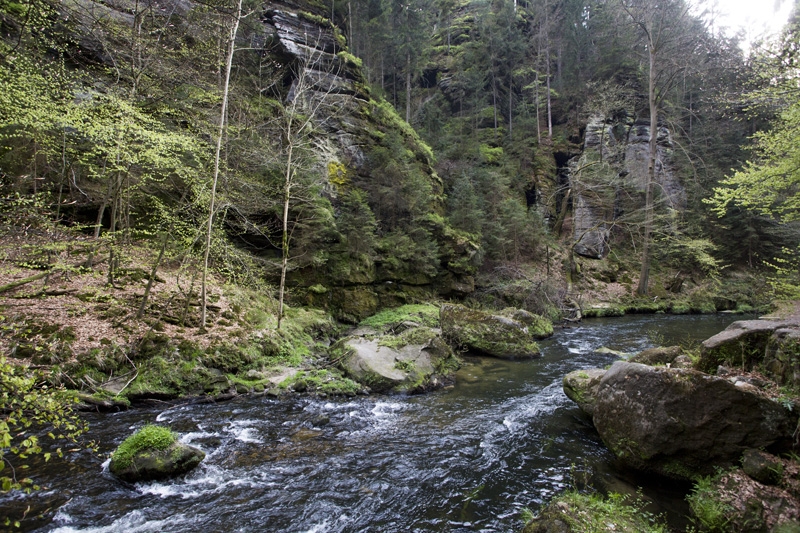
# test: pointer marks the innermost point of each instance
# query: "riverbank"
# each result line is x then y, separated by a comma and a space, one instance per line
97, 334
468, 457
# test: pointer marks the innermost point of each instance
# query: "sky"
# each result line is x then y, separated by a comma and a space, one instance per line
755, 17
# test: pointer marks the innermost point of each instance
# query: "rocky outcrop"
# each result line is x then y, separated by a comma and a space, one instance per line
509, 334
623, 147
415, 360
681, 422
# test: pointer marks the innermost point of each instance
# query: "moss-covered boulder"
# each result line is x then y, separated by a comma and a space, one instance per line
771, 345
416, 360
153, 452
680, 423
741, 344
509, 334
763, 467
580, 386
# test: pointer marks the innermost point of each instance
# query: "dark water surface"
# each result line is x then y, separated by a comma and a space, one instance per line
465, 459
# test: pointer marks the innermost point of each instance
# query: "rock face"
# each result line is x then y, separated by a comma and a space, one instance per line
509, 334
681, 422
151, 464
623, 146
416, 360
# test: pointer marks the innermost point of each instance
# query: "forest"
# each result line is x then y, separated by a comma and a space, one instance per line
212, 198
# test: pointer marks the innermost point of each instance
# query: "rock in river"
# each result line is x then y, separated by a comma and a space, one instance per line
509, 334
680, 422
416, 360
153, 452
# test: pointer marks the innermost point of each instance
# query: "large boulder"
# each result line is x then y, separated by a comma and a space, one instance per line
680, 422
416, 360
151, 453
657, 356
509, 334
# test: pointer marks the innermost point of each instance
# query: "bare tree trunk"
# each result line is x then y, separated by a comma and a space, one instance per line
287, 194
153, 273
408, 86
547, 59
644, 275
538, 121
549, 108
220, 134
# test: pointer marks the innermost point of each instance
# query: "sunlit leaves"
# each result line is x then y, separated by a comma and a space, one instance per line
769, 183
26, 408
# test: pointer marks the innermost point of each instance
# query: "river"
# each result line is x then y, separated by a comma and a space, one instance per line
466, 459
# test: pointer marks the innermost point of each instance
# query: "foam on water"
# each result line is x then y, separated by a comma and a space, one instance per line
243, 431
133, 522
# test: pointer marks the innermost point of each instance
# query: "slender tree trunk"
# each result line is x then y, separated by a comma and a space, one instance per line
538, 121
220, 135
287, 194
510, 98
644, 275
547, 59
494, 102
153, 273
408, 86
549, 108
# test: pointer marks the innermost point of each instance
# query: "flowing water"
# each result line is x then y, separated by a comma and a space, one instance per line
468, 458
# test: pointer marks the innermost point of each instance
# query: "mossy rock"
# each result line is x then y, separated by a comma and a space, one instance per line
390, 319
152, 453
657, 356
417, 360
353, 304
580, 386
509, 334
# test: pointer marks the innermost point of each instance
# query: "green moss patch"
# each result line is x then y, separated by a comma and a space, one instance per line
595, 513
422, 314
150, 437
324, 381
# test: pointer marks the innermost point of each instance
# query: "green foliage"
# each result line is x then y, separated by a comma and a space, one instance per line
491, 155
768, 184
785, 278
27, 408
321, 381
709, 512
594, 513
423, 314
149, 437
693, 255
